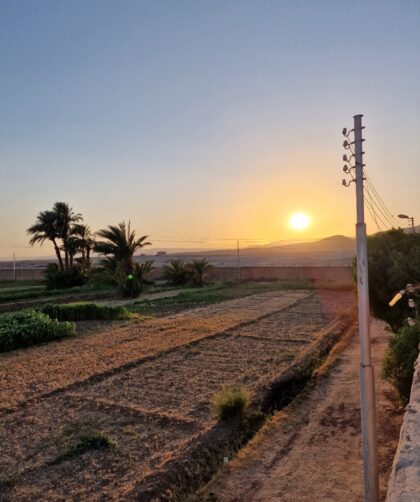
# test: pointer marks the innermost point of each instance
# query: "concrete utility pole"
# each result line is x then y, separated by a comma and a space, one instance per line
238, 262
367, 379
14, 266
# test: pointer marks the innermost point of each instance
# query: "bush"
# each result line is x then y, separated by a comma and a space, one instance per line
398, 363
177, 272
84, 312
25, 328
199, 269
230, 403
62, 279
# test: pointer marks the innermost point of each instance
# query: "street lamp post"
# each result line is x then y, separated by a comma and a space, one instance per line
405, 217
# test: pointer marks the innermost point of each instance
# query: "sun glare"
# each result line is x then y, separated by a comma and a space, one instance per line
299, 221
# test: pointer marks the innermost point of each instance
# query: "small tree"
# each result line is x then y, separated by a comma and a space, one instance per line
394, 261
177, 272
199, 268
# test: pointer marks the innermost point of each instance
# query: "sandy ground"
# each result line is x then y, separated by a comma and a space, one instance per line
312, 451
146, 386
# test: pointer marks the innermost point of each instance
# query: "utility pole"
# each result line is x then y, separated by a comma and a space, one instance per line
367, 379
238, 261
14, 266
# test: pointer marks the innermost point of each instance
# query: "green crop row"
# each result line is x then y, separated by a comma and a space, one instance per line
84, 312
29, 327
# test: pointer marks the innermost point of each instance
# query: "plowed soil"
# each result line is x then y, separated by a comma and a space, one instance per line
145, 386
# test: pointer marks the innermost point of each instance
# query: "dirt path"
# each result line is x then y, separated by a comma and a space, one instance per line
143, 298
312, 451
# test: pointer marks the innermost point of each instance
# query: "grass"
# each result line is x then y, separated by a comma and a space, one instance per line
230, 403
84, 312
198, 297
86, 439
34, 292
28, 327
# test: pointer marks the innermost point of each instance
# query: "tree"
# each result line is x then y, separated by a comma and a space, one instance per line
65, 219
120, 245
177, 272
394, 261
45, 228
199, 268
84, 239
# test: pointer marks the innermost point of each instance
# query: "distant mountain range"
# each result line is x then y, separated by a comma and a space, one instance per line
328, 244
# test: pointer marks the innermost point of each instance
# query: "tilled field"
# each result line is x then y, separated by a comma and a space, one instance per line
146, 386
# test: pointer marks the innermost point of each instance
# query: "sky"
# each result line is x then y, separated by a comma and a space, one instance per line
203, 122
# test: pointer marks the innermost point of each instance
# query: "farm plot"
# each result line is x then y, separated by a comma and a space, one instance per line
144, 414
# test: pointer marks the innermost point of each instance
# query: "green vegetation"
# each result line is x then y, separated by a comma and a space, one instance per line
64, 279
84, 312
230, 403
199, 269
177, 272
215, 293
40, 291
25, 328
118, 266
398, 363
394, 261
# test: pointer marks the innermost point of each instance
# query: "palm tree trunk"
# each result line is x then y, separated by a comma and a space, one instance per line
57, 252
66, 254
88, 257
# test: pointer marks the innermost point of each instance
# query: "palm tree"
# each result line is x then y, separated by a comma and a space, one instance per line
65, 219
177, 272
83, 235
199, 268
45, 228
120, 244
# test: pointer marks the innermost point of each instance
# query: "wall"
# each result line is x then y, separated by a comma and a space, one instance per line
22, 274
404, 484
331, 275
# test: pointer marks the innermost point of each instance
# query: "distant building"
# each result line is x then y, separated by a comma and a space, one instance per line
161, 253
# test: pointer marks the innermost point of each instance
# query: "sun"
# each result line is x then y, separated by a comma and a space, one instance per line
299, 221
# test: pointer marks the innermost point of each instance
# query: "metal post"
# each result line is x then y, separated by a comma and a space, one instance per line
14, 266
238, 261
367, 379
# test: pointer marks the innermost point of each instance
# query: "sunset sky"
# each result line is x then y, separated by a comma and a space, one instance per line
203, 121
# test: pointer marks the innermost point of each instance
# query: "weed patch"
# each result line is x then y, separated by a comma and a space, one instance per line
230, 403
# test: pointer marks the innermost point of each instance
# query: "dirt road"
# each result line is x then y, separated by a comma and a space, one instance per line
312, 451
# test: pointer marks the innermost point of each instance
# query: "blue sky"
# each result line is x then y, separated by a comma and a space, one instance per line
204, 119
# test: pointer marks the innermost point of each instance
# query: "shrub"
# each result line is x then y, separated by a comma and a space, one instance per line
93, 441
177, 272
398, 363
62, 279
21, 329
199, 269
84, 312
230, 403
